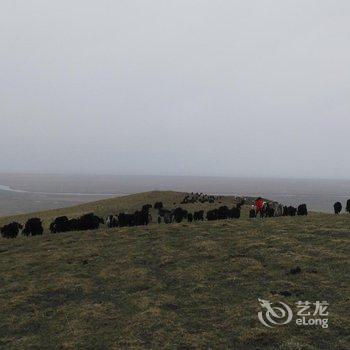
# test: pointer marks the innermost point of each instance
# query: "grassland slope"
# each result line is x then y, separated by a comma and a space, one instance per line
129, 204
175, 286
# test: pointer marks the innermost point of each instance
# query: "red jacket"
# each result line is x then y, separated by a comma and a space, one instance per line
259, 203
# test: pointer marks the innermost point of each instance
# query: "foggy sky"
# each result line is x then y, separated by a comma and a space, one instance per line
182, 87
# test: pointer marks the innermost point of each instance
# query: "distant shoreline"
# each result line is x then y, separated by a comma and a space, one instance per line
10, 189
23, 193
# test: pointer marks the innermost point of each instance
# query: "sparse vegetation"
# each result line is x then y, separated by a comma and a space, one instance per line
130, 204
188, 285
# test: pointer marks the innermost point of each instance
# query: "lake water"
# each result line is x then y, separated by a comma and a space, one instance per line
10, 189
21, 193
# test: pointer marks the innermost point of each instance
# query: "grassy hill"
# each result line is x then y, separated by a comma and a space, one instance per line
129, 203
173, 286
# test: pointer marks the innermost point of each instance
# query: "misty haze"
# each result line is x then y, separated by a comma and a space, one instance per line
254, 88
25, 193
174, 174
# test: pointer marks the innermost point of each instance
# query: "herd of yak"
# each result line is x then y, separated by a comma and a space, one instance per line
90, 221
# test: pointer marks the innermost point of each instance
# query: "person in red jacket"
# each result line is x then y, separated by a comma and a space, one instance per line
259, 205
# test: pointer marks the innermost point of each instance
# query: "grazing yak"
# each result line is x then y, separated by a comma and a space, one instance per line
302, 210
89, 222
60, 224
11, 230
235, 212
189, 217
269, 211
198, 197
224, 213
111, 221
74, 224
348, 206
126, 219
241, 203
292, 211
158, 205
86, 222
162, 212
252, 213
146, 207
212, 215
140, 217
166, 215
33, 227
168, 218
179, 214
279, 210
198, 215
289, 211
337, 208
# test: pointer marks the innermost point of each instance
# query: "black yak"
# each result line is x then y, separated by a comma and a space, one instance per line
146, 207
270, 211
198, 215
111, 221
252, 214
223, 213
289, 211
189, 217
348, 206
236, 212
141, 218
179, 214
126, 219
168, 217
73, 224
302, 210
158, 205
162, 212
33, 227
279, 210
89, 222
60, 224
212, 215
292, 211
11, 230
337, 208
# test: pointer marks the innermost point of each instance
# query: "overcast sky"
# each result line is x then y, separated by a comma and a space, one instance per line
183, 87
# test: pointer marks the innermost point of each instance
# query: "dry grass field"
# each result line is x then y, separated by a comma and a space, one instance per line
178, 286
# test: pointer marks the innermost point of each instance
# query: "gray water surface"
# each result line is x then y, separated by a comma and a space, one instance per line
20, 193
8, 188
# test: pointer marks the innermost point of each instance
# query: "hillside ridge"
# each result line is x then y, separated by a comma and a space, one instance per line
127, 203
